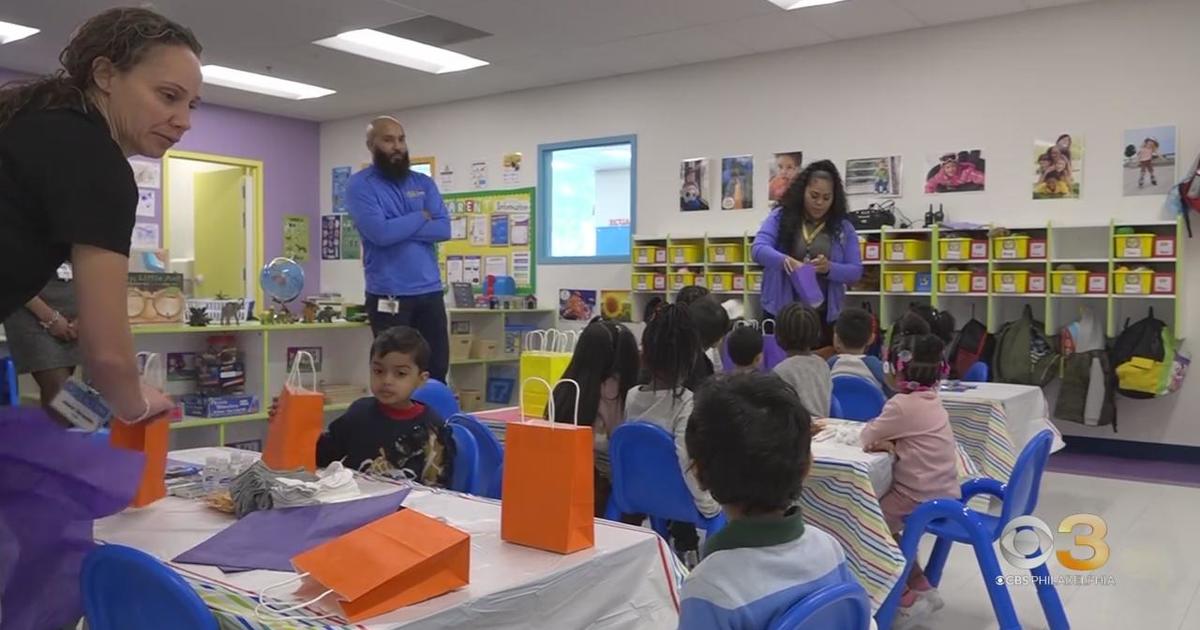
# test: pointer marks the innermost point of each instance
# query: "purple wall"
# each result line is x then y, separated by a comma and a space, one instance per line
290, 152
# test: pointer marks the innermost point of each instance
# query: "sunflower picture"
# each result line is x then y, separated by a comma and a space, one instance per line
616, 306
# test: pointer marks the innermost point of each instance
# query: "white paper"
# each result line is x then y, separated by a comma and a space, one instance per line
454, 269
496, 266
471, 270
518, 231
446, 178
479, 175
145, 236
520, 267
458, 229
479, 230
146, 203
147, 174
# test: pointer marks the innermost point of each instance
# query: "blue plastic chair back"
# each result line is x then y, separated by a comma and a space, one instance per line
438, 396
860, 399
489, 469
646, 478
977, 373
842, 606
835, 409
9, 394
1021, 491
466, 459
126, 589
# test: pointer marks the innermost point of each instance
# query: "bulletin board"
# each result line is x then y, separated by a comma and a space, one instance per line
491, 233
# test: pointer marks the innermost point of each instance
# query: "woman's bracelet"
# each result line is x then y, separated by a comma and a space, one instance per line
146, 413
47, 325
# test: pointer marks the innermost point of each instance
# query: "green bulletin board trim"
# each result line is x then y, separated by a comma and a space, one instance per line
483, 196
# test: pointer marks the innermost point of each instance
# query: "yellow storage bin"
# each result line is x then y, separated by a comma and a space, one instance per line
685, 254
686, 279
954, 249
754, 281
1069, 282
1011, 247
899, 281
1133, 245
1010, 281
955, 281
727, 253
721, 282
1133, 282
649, 282
906, 249
649, 255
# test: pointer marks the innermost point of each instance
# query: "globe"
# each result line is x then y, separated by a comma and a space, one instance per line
282, 279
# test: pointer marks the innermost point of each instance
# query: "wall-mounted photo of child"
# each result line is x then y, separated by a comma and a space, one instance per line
784, 168
879, 176
955, 172
1058, 167
693, 185
1149, 166
737, 182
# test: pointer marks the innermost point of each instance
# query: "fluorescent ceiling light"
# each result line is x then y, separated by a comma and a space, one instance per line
801, 4
10, 32
261, 83
400, 51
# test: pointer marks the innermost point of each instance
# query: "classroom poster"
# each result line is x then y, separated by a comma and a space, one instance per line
315, 351
1149, 164
784, 168
145, 236
458, 228
341, 177
512, 169
479, 175
1058, 166
331, 237
295, 237
576, 304
181, 366
873, 176
519, 229
478, 230
499, 230
351, 241
522, 267
147, 203
147, 174
472, 270
495, 266
693, 185
964, 170
737, 182
454, 269
616, 306
446, 178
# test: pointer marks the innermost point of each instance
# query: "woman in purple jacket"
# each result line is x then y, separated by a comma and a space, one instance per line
809, 228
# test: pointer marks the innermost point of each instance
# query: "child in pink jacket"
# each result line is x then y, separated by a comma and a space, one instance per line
916, 428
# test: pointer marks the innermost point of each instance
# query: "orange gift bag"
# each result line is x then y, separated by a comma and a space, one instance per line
299, 419
398, 560
547, 499
150, 437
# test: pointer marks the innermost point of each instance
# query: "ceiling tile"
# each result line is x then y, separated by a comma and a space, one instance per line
771, 32
947, 11
860, 18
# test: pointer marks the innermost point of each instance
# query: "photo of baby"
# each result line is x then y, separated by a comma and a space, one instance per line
878, 176
956, 171
1149, 166
1058, 167
737, 182
784, 168
693, 185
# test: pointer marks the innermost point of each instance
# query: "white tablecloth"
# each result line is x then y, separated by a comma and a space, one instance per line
628, 580
1025, 409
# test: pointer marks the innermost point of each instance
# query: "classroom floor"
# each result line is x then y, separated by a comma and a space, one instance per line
1154, 560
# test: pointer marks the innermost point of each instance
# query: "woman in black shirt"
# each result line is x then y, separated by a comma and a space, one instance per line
128, 81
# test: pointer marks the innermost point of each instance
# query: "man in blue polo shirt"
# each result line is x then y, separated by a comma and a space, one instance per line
400, 215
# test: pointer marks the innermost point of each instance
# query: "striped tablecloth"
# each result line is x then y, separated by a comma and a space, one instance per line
980, 427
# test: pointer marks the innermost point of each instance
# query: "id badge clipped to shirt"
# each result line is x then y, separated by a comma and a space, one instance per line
391, 306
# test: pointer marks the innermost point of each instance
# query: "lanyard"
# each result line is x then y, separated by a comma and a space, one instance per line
810, 236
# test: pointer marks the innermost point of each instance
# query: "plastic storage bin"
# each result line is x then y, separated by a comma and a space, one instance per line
1164, 283
1037, 248
1097, 282
685, 254
1164, 246
1037, 282
1133, 245
754, 281
954, 282
900, 281
649, 255
956, 249
1013, 281
721, 282
924, 282
1137, 282
907, 249
1069, 282
1014, 247
684, 279
649, 282
870, 250
727, 253
739, 282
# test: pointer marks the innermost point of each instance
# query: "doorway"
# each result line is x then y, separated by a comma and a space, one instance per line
212, 223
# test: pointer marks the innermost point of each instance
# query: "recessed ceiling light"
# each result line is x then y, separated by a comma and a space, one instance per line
802, 4
10, 32
400, 51
261, 83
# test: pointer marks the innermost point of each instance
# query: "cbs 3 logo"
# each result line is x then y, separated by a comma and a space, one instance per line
1027, 542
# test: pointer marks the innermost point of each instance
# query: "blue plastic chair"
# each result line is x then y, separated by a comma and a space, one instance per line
9, 394
466, 459
438, 396
860, 399
977, 373
646, 479
835, 409
126, 589
489, 470
842, 606
953, 522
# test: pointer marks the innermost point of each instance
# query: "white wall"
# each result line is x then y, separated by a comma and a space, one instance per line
180, 186
986, 84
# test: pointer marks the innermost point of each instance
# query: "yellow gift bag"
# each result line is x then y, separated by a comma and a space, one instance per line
545, 355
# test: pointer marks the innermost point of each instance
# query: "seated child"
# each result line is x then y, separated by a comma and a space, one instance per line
915, 426
750, 444
712, 323
853, 333
798, 331
389, 431
745, 346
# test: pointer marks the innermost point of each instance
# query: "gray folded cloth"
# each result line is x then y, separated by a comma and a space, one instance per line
251, 490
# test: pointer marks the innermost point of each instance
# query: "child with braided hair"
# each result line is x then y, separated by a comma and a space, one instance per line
798, 330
